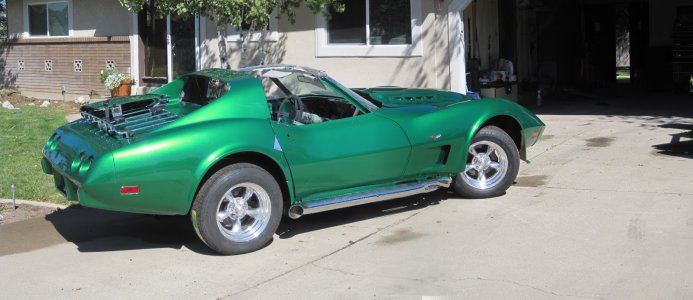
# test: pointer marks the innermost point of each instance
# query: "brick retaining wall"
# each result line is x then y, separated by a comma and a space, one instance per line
62, 52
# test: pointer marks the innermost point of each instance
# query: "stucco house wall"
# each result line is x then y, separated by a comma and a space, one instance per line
101, 18
102, 30
90, 18
15, 17
296, 44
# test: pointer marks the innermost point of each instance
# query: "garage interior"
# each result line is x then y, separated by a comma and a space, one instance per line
578, 49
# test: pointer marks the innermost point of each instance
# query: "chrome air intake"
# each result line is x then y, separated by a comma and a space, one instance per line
119, 121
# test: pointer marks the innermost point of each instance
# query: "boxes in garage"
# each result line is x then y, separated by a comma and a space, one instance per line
499, 92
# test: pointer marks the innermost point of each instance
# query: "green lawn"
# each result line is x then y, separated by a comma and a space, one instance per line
23, 133
623, 71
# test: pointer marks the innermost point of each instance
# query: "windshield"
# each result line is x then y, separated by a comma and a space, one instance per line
367, 104
305, 84
281, 81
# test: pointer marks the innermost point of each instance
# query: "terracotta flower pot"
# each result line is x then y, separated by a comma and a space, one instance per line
122, 90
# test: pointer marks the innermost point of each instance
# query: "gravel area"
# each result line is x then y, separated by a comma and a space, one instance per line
18, 100
22, 212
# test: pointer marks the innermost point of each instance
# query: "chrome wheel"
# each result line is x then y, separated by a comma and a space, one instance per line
486, 166
243, 212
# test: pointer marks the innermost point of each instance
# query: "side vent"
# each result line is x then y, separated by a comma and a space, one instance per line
444, 155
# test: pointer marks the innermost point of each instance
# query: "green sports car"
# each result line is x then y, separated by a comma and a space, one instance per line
236, 150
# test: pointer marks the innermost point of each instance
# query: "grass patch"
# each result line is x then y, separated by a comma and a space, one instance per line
623, 71
23, 132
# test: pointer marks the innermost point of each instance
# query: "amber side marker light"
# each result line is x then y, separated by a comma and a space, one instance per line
535, 133
129, 190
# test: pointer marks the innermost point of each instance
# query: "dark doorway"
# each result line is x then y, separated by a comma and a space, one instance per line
153, 32
507, 33
639, 14
600, 33
632, 41
622, 43
183, 45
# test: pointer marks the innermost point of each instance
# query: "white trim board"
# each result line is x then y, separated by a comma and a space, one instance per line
135, 51
456, 47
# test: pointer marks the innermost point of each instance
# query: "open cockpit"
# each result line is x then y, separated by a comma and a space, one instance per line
298, 96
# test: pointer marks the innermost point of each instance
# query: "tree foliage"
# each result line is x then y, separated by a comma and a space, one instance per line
253, 13
245, 15
3, 20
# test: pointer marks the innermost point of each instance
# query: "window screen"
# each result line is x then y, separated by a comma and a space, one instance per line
49, 19
390, 22
38, 20
57, 19
348, 27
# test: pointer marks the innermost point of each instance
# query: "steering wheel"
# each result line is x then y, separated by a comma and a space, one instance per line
290, 110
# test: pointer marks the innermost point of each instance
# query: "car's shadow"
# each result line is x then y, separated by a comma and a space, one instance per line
290, 228
93, 230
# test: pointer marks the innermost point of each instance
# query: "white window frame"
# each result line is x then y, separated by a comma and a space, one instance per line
234, 35
26, 33
325, 49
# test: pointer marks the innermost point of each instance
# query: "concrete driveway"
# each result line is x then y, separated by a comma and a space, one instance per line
605, 211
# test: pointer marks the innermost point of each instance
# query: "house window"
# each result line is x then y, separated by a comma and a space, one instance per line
49, 19
372, 28
371, 22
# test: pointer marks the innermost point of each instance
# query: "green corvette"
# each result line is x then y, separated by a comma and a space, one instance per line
236, 150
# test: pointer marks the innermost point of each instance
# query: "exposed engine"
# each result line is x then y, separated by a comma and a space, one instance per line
126, 119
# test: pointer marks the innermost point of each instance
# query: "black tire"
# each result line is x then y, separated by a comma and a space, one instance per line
216, 200
501, 172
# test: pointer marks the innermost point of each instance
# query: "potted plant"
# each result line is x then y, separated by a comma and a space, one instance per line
118, 83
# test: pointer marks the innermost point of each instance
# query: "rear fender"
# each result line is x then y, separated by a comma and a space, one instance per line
261, 157
170, 165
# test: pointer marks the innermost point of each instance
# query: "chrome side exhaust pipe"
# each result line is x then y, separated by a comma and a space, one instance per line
295, 212
377, 195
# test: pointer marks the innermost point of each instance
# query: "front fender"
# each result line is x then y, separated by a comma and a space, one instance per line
483, 111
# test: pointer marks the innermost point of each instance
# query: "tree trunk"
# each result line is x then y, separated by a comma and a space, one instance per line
263, 51
223, 54
245, 38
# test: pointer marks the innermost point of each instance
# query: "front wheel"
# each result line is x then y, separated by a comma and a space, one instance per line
492, 165
238, 209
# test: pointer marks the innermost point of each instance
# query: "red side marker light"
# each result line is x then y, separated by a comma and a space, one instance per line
129, 190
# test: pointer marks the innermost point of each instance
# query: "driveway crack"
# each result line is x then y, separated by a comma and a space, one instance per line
615, 191
312, 262
531, 287
556, 145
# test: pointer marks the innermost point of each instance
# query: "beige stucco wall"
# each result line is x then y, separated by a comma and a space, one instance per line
100, 18
15, 19
89, 17
297, 45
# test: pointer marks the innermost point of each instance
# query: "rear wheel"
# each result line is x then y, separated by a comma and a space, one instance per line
492, 165
238, 209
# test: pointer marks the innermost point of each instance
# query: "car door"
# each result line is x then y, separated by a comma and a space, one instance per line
342, 154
